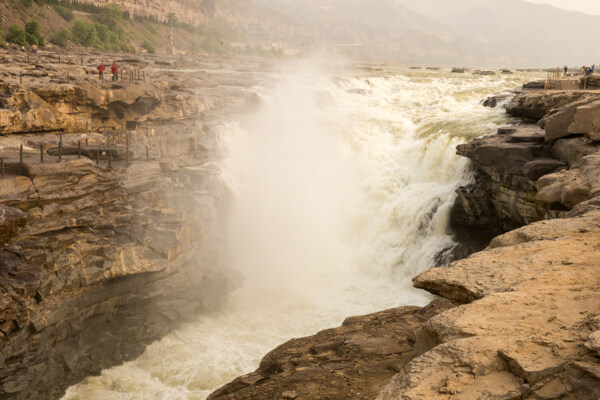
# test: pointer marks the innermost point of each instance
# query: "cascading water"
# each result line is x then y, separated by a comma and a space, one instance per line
342, 189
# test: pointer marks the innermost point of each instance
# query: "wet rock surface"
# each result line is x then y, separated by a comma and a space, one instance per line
350, 362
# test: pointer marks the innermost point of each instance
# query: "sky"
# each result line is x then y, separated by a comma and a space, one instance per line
586, 6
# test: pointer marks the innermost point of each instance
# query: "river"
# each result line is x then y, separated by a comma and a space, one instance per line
342, 187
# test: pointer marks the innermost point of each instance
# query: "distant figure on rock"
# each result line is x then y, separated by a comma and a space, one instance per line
565, 69
101, 69
115, 71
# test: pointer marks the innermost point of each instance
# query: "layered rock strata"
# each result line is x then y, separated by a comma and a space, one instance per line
529, 172
99, 256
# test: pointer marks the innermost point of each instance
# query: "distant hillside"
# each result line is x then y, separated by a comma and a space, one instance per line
503, 33
225, 27
461, 32
518, 32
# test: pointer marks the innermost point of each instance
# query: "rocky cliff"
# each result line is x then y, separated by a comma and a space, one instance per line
107, 251
528, 172
518, 320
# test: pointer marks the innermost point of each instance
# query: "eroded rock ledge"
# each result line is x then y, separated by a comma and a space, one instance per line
528, 172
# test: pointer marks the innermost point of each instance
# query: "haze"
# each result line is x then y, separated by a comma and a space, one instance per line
501, 33
586, 6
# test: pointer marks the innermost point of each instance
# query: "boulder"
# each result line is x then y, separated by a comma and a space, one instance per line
507, 152
580, 117
493, 101
534, 170
587, 121
540, 84
535, 105
570, 187
12, 220
572, 150
593, 343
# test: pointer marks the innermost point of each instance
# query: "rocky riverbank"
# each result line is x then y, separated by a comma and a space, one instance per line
111, 240
518, 320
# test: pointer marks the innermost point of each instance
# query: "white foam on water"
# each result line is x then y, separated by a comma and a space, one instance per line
342, 189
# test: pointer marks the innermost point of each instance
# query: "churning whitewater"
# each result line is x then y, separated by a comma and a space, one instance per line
342, 186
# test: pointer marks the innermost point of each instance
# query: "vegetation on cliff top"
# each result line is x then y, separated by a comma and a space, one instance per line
72, 23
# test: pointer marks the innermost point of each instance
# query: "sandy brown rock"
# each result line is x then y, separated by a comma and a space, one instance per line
570, 187
534, 105
593, 343
579, 117
523, 332
12, 220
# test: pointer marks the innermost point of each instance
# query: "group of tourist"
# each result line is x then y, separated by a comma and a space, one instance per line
588, 70
114, 69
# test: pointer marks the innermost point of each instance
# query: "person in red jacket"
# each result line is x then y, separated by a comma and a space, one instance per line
101, 69
115, 71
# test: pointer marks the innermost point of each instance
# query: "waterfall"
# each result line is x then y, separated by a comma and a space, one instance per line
342, 184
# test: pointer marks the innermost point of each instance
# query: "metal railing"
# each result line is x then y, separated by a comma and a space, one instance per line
107, 150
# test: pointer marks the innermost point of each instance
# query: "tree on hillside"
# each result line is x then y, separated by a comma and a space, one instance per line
34, 36
85, 34
17, 35
172, 19
111, 15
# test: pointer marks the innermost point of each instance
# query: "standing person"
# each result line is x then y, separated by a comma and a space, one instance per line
101, 69
115, 71
565, 69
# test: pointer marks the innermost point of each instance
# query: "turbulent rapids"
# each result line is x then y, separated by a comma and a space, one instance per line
341, 185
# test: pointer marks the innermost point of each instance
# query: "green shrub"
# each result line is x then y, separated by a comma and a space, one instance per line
34, 36
95, 34
27, 3
17, 35
111, 15
149, 47
65, 13
61, 38
84, 34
